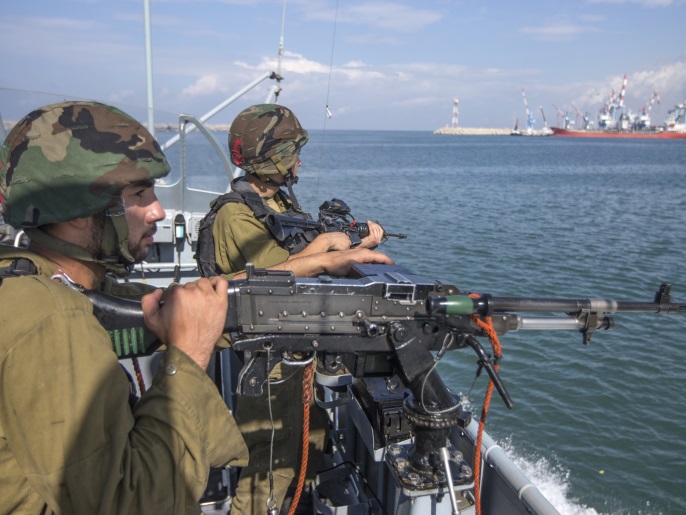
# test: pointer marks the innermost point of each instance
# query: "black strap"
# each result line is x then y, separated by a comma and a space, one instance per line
17, 268
243, 194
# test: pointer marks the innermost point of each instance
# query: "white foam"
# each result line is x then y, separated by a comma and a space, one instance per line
551, 479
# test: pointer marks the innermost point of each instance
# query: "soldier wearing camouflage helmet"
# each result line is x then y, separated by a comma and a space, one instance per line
72, 437
265, 140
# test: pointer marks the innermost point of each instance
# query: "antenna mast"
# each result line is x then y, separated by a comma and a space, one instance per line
279, 55
148, 67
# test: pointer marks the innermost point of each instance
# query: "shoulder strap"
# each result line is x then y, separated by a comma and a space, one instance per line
241, 193
18, 267
250, 198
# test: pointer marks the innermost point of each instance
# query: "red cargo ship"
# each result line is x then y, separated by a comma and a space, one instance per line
649, 134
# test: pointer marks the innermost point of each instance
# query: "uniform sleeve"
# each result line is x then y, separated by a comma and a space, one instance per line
240, 238
64, 409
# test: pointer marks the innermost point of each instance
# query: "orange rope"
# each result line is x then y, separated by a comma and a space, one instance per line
487, 326
139, 375
307, 397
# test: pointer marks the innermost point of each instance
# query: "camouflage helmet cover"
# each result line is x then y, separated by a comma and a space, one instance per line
265, 139
71, 160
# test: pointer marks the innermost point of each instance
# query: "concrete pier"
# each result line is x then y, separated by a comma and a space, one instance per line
472, 131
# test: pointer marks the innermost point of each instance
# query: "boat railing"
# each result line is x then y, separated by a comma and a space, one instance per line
273, 91
172, 254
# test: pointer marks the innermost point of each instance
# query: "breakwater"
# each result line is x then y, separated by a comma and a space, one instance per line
473, 131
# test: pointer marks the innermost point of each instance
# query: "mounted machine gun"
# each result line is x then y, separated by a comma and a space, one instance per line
382, 326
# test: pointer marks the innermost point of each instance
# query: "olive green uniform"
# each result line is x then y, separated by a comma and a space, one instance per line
69, 440
239, 238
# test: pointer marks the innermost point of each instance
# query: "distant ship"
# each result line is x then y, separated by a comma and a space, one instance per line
615, 122
658, 133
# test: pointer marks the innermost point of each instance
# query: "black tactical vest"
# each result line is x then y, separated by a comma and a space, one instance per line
243, 193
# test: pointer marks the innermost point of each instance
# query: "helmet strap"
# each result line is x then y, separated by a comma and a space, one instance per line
287, 174
290, 181
48, 241
114, 254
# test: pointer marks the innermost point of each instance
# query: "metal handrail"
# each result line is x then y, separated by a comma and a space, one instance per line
267, 75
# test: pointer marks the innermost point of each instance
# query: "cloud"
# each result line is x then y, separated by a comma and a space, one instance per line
66, 24
387, 16
205, 85
667, 80
417, 101
558, 32
123, 96
390, 16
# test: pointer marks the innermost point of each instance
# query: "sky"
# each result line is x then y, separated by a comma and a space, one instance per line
376, 64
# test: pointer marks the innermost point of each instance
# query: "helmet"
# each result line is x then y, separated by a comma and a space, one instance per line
71, 160
265, 139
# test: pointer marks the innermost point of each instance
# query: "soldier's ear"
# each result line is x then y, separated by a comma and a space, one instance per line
81, 223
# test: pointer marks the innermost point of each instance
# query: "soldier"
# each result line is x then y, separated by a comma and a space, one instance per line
265, 140
70, 439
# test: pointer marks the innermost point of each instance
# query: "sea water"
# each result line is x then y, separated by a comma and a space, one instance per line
599, 428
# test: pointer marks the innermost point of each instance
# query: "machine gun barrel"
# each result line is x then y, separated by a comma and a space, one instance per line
487, 305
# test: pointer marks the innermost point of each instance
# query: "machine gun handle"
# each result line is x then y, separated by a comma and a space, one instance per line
486, 362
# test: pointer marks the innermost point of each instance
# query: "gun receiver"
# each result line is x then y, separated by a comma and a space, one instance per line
334, 215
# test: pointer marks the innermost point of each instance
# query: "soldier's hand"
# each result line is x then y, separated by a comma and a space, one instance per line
339, 263
192, 317
375, 236
332, 241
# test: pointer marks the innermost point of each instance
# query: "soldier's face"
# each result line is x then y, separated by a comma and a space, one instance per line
143, 211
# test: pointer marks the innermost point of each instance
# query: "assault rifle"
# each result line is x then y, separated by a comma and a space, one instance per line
383, 322
334, 216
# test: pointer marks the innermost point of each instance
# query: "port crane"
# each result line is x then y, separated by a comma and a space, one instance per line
607, 119
584, 117
676, 118
642, 122
546, 130
566, 122
625, 119
529, 115
545, 122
